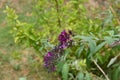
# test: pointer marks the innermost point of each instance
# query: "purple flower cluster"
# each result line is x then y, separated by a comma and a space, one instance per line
52, 57
48, 61
65, 38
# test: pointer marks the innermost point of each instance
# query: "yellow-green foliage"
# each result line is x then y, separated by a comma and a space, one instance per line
90, 40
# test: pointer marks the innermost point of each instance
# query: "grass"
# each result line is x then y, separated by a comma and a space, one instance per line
17, 62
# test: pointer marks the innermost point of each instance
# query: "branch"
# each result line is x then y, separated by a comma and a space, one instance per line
115, 44
58, 16
101, 70
114, 13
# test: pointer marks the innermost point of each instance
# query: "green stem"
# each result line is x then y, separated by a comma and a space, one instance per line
58, 16
101, 70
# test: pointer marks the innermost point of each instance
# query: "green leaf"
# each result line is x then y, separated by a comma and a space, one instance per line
116, 74
111, 33
110, 39
108, 19
71, 76
60, 66
22, 78
66, 53
112, 61
16, 67
65, 71
92, 46
79, 51
97, 48
100, 58
91, 42
86, 38
80, 76
87, 76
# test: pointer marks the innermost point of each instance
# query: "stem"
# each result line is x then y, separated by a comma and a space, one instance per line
115, 44
114, 13
101, 70
58, 16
